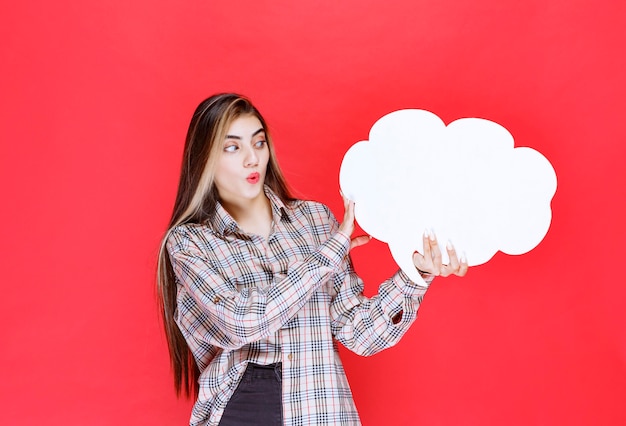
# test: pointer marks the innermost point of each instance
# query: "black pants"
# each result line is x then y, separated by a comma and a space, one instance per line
258, 398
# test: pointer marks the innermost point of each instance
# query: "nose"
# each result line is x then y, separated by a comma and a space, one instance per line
251, 159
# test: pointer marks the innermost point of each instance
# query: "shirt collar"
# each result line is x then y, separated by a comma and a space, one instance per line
223, 223
279, 210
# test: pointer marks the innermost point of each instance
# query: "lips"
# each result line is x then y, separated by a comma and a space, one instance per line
253, 177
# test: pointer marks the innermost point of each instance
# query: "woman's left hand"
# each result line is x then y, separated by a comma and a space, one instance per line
430, 262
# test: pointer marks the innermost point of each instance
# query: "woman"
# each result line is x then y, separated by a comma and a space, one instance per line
255, 286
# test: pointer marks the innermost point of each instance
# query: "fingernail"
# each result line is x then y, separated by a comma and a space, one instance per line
449, 245
463, 258
432, 235
426, 235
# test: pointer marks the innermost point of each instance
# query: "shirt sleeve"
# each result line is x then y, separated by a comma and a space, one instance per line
232, 318
368, 325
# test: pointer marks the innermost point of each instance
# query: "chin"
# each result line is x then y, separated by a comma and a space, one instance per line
254, 192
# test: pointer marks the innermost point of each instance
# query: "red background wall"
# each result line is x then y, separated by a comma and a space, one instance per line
95, 100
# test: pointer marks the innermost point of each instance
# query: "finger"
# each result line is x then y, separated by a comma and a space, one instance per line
453, 264
359, 241
349, 213
421, 265
424, 262
435, 253
461, 270
463, 267
426, 243
345, 200
419, 262
347, 225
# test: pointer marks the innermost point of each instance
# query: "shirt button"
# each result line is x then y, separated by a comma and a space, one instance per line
290, 357
216, 300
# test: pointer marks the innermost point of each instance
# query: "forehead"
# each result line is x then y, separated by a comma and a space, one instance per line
244, 126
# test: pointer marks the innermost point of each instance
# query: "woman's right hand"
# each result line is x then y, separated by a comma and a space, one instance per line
347, 226
430, 262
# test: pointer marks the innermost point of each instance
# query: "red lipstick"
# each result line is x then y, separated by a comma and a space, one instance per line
253, 177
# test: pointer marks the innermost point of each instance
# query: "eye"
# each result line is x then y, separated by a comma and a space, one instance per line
260, 144
231, 148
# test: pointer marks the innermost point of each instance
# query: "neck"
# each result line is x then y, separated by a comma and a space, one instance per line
254, 217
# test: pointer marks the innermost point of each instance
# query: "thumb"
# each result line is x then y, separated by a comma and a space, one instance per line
360, 241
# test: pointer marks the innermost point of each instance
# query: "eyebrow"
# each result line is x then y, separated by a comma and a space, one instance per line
261, 130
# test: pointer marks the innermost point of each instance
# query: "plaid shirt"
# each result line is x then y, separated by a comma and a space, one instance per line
243, 299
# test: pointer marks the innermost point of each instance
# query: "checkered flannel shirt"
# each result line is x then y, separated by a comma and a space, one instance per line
243, 299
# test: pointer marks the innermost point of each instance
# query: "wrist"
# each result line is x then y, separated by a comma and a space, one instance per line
428, 277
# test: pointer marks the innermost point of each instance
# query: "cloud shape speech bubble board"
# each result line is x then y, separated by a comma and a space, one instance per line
466, 181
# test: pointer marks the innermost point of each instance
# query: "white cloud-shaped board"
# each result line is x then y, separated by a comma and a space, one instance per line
466, 181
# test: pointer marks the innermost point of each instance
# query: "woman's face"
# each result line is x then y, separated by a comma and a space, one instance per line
241, 167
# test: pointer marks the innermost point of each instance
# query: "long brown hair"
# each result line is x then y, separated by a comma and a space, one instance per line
195, 203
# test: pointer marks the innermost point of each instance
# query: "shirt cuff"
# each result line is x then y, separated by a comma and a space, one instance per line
411, 288
334, 250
